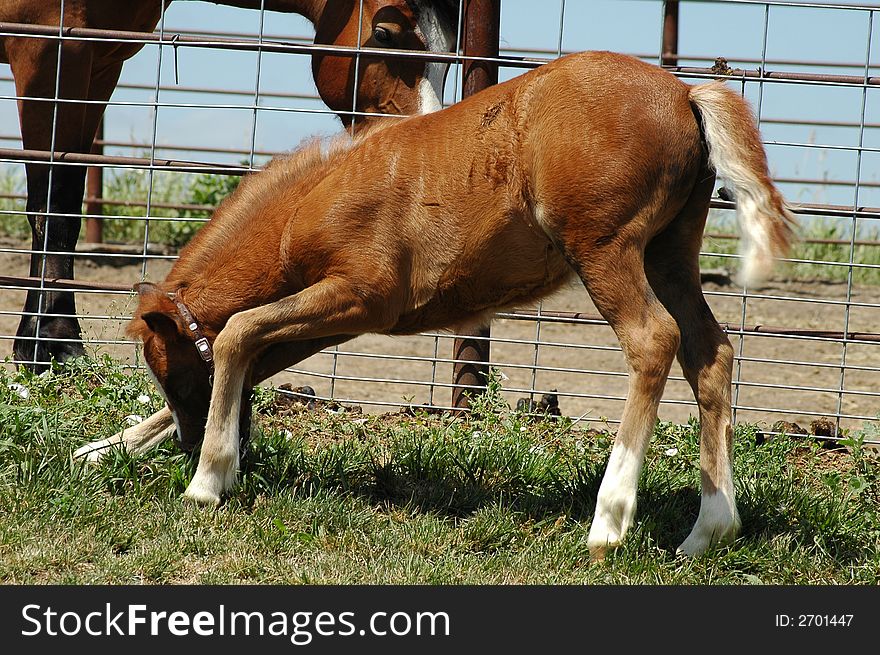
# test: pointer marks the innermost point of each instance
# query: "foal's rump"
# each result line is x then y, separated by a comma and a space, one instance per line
612, 148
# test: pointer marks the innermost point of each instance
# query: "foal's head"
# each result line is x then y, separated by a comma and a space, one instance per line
173, 359
385, 84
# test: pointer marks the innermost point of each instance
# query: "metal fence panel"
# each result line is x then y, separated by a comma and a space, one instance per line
806, 341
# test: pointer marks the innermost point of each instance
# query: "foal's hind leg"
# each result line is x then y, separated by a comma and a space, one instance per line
706, 358
615, 278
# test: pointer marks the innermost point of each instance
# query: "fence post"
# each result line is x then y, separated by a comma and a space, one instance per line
669, 54
95, 191
480, 35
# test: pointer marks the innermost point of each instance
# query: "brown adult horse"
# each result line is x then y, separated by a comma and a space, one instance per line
90, 71
596, 165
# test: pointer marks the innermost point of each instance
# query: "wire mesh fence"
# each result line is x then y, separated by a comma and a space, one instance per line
216, 91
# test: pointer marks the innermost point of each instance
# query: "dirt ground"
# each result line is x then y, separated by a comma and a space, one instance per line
581, 362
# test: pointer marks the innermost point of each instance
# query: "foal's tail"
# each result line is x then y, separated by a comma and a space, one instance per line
737, 155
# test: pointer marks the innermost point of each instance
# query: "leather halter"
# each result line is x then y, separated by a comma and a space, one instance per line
203, 346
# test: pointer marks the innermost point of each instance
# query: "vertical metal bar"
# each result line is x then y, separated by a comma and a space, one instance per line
482, 29
541, 304
48, 224
561, 28
258, 75
354, 108
94, 192
537, 353
669, 53
459, 50
152, 168
855, 223
745, 292
434, 370
459, 74
357, 66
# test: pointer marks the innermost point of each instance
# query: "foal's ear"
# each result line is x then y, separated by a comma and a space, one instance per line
145, 289
157, 310
161, 323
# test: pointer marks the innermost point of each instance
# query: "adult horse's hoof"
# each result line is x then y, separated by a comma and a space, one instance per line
59, 340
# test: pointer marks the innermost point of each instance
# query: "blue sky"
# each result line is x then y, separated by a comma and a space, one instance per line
707, 30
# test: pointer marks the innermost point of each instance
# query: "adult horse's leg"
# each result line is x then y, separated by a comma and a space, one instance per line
615, 277
49, 327
706, 358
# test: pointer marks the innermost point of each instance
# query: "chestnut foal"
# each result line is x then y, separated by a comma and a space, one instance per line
597, 165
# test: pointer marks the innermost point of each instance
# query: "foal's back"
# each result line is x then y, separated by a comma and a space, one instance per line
474, 208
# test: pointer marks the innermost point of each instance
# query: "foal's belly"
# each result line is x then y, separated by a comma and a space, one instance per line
474, 290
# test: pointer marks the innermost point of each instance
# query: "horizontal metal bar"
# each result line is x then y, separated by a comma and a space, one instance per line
89, 159
811, 240
509, 365
783, 3
727, 327
35, 282
42, 283
204, 90
813, 209
794, 260
166, 38
11, 155
177, 40
104, 200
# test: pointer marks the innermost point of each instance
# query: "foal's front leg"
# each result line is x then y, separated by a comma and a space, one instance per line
219, 459
137, 439
314, 318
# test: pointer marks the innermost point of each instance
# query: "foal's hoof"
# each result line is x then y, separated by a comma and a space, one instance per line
717, 524
92, 453
698, 543
705, 537
201, 494
598, 553
201, 499
606, 533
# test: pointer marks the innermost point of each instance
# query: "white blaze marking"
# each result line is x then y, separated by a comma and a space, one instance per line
429, 101
438, 38
168, 404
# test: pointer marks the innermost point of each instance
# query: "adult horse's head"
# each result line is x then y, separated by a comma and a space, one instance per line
182, 371
385, 84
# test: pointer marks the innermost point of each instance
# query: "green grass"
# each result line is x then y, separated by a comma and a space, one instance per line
346, 498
